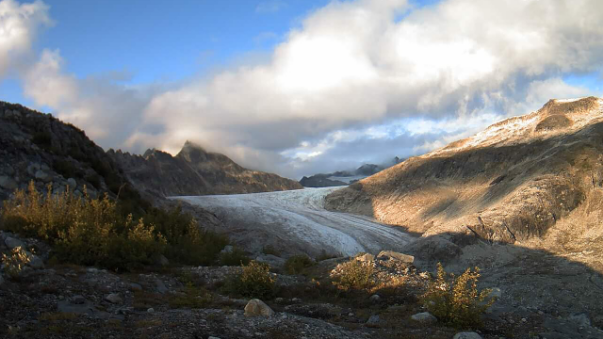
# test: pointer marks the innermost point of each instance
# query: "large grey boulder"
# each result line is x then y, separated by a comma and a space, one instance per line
424, 318
11, 242
257, 308
396, 256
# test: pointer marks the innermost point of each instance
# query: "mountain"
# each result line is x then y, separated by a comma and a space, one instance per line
536, 179
195, 171
38, 147
343, 178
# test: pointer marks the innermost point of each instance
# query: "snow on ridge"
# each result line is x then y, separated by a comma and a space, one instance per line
568, 100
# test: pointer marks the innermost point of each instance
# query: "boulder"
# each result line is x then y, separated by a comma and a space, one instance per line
11, 242
35, 262
467, 335
366, 257
375, 298
114, 298
257, 308
424, 318
78, 300
8, 183
43, 176
373, 320
396, 256
72, 183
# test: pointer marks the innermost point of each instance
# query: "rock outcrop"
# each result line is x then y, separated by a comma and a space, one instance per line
195, 171
534, 177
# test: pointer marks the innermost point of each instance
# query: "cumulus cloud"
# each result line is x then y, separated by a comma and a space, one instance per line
18, 27
105, 109
349, 77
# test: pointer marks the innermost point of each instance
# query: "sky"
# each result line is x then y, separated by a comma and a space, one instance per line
296, 87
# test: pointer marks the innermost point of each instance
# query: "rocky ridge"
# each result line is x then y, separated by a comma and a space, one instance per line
195, 171
535, 179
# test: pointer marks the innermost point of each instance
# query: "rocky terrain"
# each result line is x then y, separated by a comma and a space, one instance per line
50, 300
344, 178
194, 171
37, 147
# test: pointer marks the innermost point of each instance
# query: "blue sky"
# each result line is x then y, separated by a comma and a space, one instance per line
296, 86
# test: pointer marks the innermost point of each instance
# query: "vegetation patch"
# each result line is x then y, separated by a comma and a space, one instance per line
14, 262
235, 257
255, 281
86, 231
355, 275
456, 300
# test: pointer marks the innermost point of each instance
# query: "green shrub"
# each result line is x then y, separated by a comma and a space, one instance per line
234, 258
255, 281
456, 300
88, 231
297, 263
355, 275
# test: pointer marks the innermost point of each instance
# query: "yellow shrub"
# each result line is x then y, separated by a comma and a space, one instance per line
255, 281
355, 275
14, 263
456, 300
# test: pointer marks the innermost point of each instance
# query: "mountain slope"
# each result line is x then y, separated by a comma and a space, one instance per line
194, 171
527, 178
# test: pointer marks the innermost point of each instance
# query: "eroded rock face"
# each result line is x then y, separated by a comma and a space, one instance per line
195, 171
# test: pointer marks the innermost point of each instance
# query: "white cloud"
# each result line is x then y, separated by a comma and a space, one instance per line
18, 26
350, 69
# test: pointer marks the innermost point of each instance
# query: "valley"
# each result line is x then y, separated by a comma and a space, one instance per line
296, 222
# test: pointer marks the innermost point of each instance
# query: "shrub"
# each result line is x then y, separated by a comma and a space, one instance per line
456, 300
255, 281
297, 263
13, 263
234, 258
354, 275
87, 231
42, 139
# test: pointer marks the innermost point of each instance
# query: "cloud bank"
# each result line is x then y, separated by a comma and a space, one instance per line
357, 80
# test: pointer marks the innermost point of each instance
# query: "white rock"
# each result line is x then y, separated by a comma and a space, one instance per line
467, 335
151, 310
424, 317
256, 308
